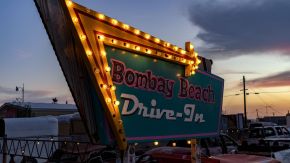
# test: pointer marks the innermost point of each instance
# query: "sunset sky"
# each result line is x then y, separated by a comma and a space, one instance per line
249, 37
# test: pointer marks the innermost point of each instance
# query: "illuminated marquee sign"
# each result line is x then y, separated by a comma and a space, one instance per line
147, 88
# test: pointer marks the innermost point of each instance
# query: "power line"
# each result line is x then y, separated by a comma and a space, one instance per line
276, 92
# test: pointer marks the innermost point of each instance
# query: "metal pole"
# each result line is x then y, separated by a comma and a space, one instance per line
4, 149
245, 103
23, 93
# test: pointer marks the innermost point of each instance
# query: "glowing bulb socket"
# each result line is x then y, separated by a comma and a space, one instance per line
69, 3
137, 32
157, 40
101, 16
126, 26
156, 143
108, 69
89, 53
83, 37
117, 103
174, 144
113, 87
147, 36
108, 100
104, 86
101, 37
114, 21
103, 53
75, 19
137, 48
96, 70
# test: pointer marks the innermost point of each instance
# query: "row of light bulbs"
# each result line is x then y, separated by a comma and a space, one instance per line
146, 50
136, 47
137, 32
156, 143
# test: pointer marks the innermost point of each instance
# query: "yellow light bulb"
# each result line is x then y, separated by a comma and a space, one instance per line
193, 72
167, 44
157, 40
97, 70
175, 48
198, 61
117, 103
196, 67
191, 62
148, 51
108, 69
195, 54
101, 16
114, 21
108, 100
103, 53
174, 144
147, 36
191, 46
137, 48
75, 19
104, 86
83, 37
126, 44
182, 52
101, 37
126, 26
113, 87
69, 3
89, 53
137, 32
183, 60
188, 142
156, 143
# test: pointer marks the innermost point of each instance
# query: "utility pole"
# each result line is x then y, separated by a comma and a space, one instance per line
22, 92
245, 104
257, 114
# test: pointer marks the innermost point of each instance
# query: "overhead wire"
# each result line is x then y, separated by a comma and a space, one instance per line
267, 105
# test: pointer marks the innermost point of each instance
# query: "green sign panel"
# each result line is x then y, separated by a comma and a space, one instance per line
158, 102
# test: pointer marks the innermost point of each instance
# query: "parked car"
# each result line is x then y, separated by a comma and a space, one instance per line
183, 155
260, 135
179, 150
